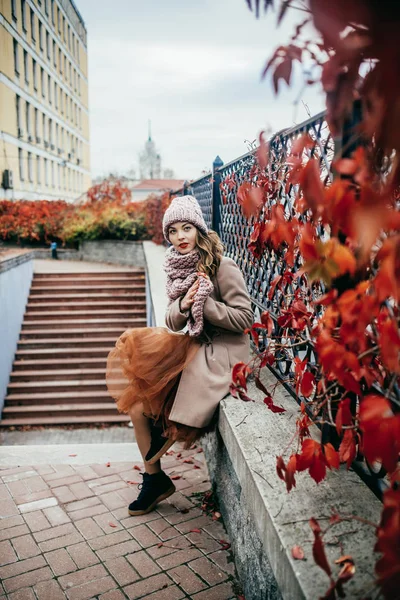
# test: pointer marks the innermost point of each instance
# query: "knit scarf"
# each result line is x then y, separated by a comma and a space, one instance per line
181, 270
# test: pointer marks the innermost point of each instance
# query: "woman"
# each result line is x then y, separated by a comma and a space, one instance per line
171, 383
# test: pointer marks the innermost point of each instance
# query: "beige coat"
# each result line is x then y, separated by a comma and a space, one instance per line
206, 379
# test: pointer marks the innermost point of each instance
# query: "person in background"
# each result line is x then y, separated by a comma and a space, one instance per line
53, 247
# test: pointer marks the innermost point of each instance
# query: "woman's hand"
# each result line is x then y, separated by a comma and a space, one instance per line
186, 302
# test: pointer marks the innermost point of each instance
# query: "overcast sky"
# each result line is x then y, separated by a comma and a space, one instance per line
191, 66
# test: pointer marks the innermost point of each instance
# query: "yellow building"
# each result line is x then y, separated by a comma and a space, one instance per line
44, 118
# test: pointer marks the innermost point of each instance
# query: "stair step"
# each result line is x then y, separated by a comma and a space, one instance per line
54, 364
39, 334
55, 374
50, 410
88, 324
50, 397
93, 282
90, 274
84, 306
61, 353
94, 296
67, 420
82, 314
21, 387
68, 342
101, 288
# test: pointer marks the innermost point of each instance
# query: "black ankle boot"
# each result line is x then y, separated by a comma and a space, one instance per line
159, 445
154, 489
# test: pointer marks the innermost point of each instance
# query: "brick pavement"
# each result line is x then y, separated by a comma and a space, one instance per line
65, 533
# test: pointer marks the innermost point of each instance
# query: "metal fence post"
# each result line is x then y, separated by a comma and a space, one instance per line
350, 137
216, 195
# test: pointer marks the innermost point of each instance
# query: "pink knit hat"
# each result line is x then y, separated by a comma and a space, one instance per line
184, 208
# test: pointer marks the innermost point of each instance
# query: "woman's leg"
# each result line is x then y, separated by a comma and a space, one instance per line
141, 425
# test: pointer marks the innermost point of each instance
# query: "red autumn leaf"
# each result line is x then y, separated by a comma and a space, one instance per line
311, 186
175, 477
179, 455
268, 401
307, 384
113, 525
267, 321
137, 468
389, 341
225, 545
160, 544
283, 71
250, 199
381, 431
343, 415
262, 151
287, 472
273, 286
298, 553
312, 458
347, 448
72, 455
318, 549
188, 461
331, 456
132, 482
108, 464
239, 374
195, 530
196, 467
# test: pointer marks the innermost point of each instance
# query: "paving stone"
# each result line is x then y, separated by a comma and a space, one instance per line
129, 521
56, 516
121, 570
36, 520
61, 542
221, 559
143, 564
37, 504
144, 536
36, 484
49, 590
13, 532
8, 508
81, 490
113, 501
170, 593
205, 542
7, 553
54, 532
208, 571
17, 488
59, 471
17, 473
30, 497
180, 517
56, 483
88, 528
64, 494
147, 586
113, 595
122, 549
187, 580
91, 589
163, 529
41, 469
216, 530
104, 521
224, 591
25, 546
174, 545
109, 540
23, 594
12, 521
178, 558
60, 562
196, 523
82, 576
83, 513
22, 566
82, 504
85, 472
82, 555
27, 579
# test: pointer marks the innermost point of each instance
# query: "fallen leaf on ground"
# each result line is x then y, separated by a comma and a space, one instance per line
72, 455
195, 531
298, 552
137, 468
113, 525
174, 477
108, 464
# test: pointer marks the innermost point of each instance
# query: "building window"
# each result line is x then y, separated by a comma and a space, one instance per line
60, 60
30, 167
34, 73
16, 57
70, 74
26, 67
65, 67
63, 23
49, 88
57, 140
21, 163
61, 101
56, 95
46, 171
46, 7
28, 118
54, 54
69, 37
41, 36
50, 131
38, 168
36, 124
66, 106
18, 107
62, 139
48, 45
44, 128
33, 28
53, 16
79, 84
59, 20
23, 14
53, 179
59, 176
42, 81
14, 9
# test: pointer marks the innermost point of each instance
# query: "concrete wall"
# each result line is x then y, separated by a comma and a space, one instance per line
113, 251
15, 281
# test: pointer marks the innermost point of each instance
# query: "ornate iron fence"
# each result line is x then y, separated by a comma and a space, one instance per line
217, 195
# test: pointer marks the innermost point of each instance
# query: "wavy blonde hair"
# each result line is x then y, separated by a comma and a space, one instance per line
211, 251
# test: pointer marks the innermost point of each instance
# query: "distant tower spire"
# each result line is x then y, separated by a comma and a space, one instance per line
149, 130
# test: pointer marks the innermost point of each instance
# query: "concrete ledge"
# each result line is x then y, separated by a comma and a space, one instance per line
265, 522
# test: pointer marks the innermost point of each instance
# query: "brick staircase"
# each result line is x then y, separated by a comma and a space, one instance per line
71, 322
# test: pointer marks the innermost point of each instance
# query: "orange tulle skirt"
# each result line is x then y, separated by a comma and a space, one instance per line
145, 366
